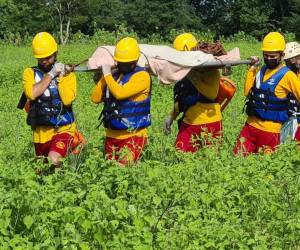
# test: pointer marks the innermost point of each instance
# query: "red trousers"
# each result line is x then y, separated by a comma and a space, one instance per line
124, 151
253, 140
297, 136
190, 138
60, 143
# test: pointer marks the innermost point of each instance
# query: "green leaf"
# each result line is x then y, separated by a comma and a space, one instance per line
99, 237
84, 246
156, 200
28, 221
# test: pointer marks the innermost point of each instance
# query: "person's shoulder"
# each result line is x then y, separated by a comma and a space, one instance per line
28, 72
141, 69
69, 76
292, 75
142, 72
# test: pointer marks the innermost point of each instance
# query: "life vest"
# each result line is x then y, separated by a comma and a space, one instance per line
295, 106
294, 109
48, 109
187, 95
125, 114
262, 101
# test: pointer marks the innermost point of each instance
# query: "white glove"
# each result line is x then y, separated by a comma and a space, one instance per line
57, 69
106, 69
167, 124
255, 61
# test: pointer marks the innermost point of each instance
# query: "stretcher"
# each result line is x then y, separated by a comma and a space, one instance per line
168, 64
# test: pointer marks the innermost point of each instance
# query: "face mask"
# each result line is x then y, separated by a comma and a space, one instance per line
126, 67
292, 66
271, 63
45, 69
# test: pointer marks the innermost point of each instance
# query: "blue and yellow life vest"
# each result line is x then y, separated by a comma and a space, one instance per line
294, 109
262, 101
48, 109
125, 114
187, 95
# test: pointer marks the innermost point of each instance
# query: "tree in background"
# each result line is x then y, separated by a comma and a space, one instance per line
22, 18
155, 16
291, 18
65, 15
227, 17
254, 17
216, 15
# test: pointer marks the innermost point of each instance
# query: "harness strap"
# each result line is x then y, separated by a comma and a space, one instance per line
114, 115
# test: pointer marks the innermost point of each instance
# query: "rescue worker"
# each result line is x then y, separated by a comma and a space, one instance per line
269, 92
126, 95
50, 93
292, 60
195, 97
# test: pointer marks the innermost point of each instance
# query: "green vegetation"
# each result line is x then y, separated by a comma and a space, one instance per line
169, 200
20, 19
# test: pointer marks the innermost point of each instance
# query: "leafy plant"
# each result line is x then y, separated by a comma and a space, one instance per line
169, 200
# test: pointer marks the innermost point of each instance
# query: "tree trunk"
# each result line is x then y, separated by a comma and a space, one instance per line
64, 14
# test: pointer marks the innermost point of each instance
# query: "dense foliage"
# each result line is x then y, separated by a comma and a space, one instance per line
170, 200
22, 18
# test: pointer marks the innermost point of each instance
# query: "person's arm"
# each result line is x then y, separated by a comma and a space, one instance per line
175, 111
250, 79
33, 90
138, 83
170, 118
251, 74
67, 88
40, 87
291, 84
98, 91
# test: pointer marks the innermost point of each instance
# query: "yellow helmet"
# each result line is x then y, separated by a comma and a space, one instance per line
273, 41
43, 45
185, 41
127, 50
292, 49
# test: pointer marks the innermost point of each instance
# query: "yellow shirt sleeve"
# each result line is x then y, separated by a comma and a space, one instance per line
137, 84
98, 91
290, 83
251, 74
28, 82
67, 88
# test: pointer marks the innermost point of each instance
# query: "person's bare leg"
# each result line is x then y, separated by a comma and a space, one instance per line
55, 158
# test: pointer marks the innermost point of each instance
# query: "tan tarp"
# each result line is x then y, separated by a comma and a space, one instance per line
168, 64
